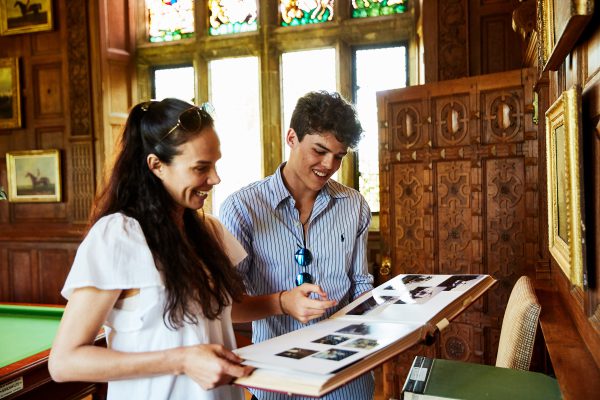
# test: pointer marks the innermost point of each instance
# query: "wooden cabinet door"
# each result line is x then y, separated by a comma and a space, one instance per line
459, 194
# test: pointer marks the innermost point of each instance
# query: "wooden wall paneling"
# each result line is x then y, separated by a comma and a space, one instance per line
452, 40
493, 45
81, 139
454, 164
5, 288
48, 84
22, 276
116, 47
54, 266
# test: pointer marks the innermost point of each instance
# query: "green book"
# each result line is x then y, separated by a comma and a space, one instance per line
431, 379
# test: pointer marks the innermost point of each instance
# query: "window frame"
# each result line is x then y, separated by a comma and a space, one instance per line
268, 43
354, 49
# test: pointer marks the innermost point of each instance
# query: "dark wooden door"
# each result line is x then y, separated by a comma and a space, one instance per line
459, 194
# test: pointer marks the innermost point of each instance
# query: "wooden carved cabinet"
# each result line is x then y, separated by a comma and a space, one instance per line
459, 194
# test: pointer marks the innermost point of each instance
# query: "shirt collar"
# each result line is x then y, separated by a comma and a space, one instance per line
281, 193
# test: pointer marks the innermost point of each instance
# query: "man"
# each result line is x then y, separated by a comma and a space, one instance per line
305, 234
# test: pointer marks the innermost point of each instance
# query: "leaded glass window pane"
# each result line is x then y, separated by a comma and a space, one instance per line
170, 20
302, 12
376, 8
235, 94
376, 69
297, 80
177, 82
232, 16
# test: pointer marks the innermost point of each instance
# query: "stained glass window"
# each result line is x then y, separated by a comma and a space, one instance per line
302, 12
232, 16
170, 20
376, 8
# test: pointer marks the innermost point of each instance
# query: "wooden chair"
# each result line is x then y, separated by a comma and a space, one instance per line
519, 327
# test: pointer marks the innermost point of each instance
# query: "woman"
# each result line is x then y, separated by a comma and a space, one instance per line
158, 276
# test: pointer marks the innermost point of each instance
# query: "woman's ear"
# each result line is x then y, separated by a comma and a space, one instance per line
155, 165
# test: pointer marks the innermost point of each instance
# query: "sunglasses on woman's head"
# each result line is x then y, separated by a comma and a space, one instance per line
190, 120
303, 258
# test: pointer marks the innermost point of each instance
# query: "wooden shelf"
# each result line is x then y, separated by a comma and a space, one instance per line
575, 369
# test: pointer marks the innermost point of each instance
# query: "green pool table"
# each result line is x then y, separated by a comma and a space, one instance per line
26, 335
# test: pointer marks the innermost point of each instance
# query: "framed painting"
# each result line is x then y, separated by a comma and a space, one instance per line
25, 16
565, 224
10, 96
34, 176
561, 22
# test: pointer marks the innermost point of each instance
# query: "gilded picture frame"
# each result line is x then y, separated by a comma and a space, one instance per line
34, 176
560, 23
18, 16
565, 224
10, 95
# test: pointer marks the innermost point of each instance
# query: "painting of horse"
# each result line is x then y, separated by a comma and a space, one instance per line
23, 16
34, 175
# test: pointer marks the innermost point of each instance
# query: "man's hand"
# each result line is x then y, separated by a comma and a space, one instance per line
298, 304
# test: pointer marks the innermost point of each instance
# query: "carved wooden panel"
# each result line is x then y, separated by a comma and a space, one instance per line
79, 71
453, 51
408, 126
54, 266
34, 273
21, 277
454, 221
502, 116
451, 118
47, 81
411, 224
460, 201
45, 43
83, 178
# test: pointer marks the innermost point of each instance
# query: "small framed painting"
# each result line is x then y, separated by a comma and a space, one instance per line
25, 16
565, 204
10, 96
34, 176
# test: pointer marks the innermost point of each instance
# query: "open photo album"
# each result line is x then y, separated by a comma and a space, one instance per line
375, 327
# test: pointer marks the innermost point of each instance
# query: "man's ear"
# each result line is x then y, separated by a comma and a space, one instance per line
291, 138
155, 165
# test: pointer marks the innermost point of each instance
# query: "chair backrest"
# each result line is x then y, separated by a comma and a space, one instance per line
518, 327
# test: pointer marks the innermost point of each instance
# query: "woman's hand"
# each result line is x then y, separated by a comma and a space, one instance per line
212, 365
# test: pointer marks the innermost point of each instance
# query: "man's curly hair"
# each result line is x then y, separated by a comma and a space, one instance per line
327, 112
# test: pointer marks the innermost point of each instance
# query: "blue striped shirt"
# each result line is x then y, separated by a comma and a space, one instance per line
263, 217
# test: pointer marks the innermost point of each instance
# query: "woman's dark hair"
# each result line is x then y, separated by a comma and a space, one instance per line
321, 111
195, 269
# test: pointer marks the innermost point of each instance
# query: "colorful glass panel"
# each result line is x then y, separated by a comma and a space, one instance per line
376, 8
303, 12
232, 16
170, 20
